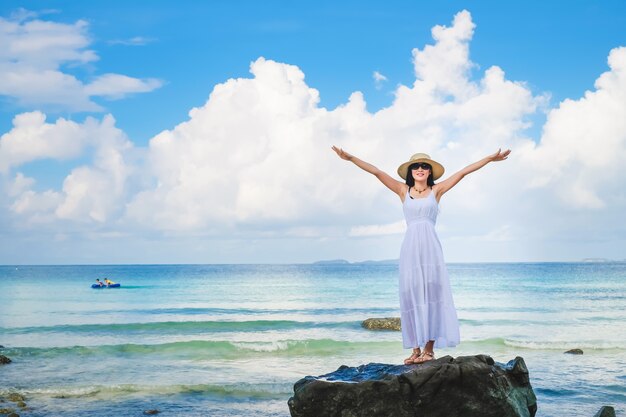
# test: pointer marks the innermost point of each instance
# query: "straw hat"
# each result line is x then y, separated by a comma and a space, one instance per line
438, 169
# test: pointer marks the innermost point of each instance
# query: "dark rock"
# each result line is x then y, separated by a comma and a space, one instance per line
5, 411
151, 412
15, 397
13, 415
387, 323
4, 360
21, 404
605, 411
468, 386
575, 351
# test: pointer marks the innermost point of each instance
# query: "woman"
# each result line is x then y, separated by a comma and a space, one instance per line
427, 309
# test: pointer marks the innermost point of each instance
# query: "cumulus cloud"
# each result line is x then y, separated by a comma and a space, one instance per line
90, 193
34, 55
257, 153
31, 138
584, 142
255, 162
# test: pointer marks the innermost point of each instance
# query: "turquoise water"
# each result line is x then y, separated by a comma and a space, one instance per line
231, 340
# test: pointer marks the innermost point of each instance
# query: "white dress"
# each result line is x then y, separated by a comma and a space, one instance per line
427, 309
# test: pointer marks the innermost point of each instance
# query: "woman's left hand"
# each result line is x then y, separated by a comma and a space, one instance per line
499, 156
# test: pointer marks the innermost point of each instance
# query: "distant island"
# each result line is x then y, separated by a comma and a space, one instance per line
395, 261
596, 260
344, 262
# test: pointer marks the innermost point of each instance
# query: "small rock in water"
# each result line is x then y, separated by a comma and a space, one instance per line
21, 404
606, 411
4, 360
5, 411
387, 323
151, 412
13, 415
15, 397
575, 351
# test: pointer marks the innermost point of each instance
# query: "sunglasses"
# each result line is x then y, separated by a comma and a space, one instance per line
422, 165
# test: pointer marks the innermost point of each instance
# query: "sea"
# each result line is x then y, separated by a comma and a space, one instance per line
231, 340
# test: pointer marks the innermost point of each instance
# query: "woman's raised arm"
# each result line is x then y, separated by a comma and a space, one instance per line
394, 185
446, 185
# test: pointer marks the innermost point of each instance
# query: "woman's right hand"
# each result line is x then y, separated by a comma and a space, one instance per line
342, 154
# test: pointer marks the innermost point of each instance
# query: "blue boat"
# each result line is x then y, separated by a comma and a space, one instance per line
105, 286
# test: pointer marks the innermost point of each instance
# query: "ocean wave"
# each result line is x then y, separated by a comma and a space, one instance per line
508, 322
544, 345
243, 350
236, 390
566, 345
192, 311
207, 349
177, 327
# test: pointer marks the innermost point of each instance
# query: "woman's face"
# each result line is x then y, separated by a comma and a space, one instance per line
420, 171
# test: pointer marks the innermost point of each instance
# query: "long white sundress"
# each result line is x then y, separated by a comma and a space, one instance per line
427, 309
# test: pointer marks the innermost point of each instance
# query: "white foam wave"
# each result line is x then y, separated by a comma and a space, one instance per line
566, 345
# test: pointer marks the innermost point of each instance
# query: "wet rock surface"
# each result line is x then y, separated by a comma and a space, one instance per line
605, 411
12, 397
466, 386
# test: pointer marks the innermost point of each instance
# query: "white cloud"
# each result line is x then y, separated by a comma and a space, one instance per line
445, 66
255, 162
378, 79
116, 86
19, 185
99, 192
33, 57
90, 193
257, 153
583, 147
134, 41
378, 229
32, 138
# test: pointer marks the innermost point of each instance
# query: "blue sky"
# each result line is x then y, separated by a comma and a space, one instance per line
176, 54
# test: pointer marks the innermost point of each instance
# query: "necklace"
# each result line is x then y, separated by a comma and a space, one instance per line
420, 191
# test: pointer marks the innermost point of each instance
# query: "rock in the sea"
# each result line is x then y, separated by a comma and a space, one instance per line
13, 415
387, 323
4, 360
151, 412
575, 351
468, 386
605, 411
15, 397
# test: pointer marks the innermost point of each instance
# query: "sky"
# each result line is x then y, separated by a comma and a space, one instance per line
200, 132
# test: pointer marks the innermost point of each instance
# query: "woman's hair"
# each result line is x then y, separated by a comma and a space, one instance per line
410, 181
